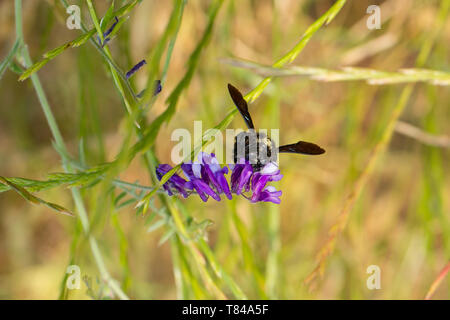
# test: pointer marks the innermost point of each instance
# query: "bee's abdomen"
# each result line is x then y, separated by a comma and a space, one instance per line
256, 148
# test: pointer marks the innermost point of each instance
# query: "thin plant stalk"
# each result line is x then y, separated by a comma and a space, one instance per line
327, 249
149, 161
82, 213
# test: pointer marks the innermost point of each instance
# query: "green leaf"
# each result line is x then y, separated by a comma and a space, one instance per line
169, 233
34, 68
33, 199
119, 197
15, 67
9, 58
126, 203
158, 224
108, 16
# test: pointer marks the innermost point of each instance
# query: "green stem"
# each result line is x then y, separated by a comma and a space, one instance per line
150, 161
82, 213
107, 53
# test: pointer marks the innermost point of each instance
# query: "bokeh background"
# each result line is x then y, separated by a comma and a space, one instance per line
400, 222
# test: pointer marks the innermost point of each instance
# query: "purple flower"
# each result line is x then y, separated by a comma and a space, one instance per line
107, 33
214, 174
105, 41
244, 179
240, 177
207, 178
135, 68
158, 87
269, 172
175, 182
269, 194
199, 181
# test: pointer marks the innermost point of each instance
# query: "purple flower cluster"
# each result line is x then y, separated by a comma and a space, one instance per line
207, 179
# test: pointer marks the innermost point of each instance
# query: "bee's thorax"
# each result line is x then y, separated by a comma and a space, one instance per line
255, 147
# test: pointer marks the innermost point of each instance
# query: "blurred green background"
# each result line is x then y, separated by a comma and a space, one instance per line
400, 222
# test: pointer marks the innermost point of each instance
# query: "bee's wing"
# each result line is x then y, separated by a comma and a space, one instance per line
241, 104
302, 147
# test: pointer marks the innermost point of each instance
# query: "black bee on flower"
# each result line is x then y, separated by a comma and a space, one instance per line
257, 147
254, 156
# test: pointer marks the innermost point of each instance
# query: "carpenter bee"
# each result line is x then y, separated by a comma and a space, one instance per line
258, 148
